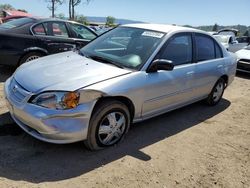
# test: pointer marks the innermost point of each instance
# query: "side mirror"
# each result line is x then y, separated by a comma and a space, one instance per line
160, 64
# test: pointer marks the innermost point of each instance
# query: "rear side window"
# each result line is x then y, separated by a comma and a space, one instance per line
39, 30
59, 29
178, 50
205, 49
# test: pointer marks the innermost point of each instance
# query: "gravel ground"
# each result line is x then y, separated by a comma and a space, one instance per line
196, 146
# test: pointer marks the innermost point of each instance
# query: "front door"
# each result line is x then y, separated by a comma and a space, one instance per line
166, 90
81, 34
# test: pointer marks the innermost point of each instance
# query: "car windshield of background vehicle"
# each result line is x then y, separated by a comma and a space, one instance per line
125, 46
16, 23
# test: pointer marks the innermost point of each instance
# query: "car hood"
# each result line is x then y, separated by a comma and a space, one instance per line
67, 71
243, 54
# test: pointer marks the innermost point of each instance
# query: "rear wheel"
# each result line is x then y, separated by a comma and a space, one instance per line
216, 93
29, 57
108, 125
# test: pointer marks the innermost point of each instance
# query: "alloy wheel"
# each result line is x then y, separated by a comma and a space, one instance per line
111, 128
218, 91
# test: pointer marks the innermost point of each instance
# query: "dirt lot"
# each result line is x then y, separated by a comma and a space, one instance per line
196, 146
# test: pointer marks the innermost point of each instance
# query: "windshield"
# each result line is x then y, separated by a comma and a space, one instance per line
124, 46
16, 23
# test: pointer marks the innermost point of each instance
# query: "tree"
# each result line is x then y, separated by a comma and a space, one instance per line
82, 19
110, 21
246, 33
70, 8
72, 5
215, 27
53, 5
6, 7
61, 16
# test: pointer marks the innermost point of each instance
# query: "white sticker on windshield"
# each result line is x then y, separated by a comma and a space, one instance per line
152, 34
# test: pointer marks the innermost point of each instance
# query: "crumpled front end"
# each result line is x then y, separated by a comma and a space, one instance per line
49, 125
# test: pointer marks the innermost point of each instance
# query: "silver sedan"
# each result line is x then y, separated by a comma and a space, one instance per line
131, 73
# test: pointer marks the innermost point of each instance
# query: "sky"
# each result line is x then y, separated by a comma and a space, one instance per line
180, 12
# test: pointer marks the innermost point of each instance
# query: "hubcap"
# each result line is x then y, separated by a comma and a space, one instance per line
31, 58
111, 128
218, 91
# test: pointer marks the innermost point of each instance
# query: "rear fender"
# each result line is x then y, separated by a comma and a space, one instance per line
31, 49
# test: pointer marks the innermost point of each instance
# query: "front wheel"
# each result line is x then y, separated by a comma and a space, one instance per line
216, 93
108, 125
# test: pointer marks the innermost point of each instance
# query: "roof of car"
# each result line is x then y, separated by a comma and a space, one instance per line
161, 27
41, 19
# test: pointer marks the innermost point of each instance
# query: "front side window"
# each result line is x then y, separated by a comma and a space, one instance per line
125, 46
82, 32
204, 48
178, 49
59, 29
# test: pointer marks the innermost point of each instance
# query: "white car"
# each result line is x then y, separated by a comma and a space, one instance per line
230, 42
227, 37
243, 59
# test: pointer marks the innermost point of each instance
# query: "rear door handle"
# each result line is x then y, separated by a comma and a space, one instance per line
190, 73
219, 66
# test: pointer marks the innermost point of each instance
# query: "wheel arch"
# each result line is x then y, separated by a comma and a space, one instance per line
30, 50
125, 100
225, 78
35, 49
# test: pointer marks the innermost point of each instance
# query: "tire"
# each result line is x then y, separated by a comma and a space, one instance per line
29, 57
217, 92
108, 125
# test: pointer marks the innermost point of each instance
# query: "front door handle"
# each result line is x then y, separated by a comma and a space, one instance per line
46, 40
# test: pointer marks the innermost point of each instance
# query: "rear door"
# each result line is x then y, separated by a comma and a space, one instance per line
209, 66
54, 36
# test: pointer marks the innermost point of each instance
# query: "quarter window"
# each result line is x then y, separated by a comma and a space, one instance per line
218, 51
178, 50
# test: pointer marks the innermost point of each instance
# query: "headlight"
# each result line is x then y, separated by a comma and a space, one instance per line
57, 100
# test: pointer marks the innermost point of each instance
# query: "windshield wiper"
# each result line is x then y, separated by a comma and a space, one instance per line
104, 60
81, 53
